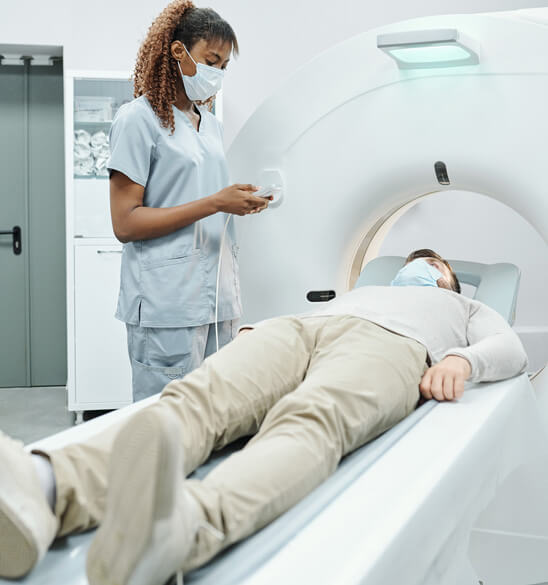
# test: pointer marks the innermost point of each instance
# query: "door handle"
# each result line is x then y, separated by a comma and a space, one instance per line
16, 235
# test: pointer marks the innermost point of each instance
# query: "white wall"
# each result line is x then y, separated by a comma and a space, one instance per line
95, 35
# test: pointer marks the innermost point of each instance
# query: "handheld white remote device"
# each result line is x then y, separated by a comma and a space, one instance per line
271, 190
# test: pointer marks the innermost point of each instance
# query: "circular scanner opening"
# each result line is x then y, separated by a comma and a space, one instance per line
462, 225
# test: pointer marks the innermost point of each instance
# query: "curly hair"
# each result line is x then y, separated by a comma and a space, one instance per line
156, 74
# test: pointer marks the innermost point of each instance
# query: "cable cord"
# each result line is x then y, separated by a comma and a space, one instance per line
218, 279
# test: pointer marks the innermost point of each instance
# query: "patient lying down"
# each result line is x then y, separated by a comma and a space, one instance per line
310, 388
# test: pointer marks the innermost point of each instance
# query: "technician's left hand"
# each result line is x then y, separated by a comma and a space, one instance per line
445, 380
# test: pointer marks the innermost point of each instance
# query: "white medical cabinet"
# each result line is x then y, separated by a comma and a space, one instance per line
99, 373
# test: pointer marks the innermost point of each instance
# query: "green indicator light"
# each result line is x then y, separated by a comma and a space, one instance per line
431, 54
432, 48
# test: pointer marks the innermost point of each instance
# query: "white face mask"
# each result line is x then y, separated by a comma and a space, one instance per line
207, 81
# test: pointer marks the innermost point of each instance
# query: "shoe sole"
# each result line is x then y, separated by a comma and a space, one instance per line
140, 453
18, 551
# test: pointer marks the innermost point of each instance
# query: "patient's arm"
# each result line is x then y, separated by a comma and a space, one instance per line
445, 380
495, 351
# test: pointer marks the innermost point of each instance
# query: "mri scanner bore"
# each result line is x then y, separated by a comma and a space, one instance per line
311, 406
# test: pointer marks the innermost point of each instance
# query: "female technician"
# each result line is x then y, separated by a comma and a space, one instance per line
170, 197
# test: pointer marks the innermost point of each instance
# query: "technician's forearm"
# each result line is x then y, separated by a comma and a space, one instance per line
145, 223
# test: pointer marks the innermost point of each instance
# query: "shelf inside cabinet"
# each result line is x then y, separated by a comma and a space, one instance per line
92, 124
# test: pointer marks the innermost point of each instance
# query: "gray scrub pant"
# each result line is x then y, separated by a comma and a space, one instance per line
160, 355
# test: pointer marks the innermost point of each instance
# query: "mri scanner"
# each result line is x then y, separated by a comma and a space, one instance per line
458, 492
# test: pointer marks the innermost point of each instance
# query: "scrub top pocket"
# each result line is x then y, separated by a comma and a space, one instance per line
175, 291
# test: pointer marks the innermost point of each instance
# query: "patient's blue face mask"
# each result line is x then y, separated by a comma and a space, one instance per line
417, 273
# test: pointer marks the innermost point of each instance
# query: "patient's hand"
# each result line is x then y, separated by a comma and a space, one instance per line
445, 380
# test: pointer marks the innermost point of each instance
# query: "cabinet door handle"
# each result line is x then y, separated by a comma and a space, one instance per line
109, 251
16, 235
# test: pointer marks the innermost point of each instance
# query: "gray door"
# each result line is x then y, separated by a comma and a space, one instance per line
32, 283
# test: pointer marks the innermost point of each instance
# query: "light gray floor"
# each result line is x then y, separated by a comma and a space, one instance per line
29, 414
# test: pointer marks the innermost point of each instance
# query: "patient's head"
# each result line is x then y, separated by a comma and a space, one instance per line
449, 279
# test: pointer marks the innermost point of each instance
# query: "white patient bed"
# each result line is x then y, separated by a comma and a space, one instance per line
447, 487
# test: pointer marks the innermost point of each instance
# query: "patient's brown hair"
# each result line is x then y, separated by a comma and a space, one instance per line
427, 253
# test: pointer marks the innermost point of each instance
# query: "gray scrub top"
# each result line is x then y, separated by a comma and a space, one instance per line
170, 281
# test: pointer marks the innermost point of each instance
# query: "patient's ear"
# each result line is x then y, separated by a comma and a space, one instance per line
442, 283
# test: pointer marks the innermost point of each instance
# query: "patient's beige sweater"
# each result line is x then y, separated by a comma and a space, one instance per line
445, 322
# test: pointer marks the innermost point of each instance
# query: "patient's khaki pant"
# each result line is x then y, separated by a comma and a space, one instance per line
311, 389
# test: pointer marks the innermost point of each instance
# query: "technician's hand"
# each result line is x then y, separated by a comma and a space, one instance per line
445, 380
266, 200
239, 200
